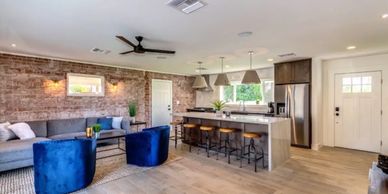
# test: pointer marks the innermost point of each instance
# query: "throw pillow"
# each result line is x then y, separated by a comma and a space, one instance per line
106, 123
22, 130
5, 133
116, 122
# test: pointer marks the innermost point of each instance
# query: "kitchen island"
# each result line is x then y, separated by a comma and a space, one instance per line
278, 139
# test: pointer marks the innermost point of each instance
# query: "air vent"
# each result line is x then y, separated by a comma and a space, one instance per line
287, 55
186, 6
99, 51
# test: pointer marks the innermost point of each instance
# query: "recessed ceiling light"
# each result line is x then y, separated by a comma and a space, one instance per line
245, 34
385, 16
269, 60
351, 47
13, 45
227, 66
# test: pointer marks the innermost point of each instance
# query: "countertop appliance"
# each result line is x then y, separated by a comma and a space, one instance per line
293, 101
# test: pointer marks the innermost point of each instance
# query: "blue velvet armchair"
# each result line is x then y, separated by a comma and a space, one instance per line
63, 166
149, 147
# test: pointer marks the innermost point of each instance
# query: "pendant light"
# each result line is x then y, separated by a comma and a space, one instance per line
199, 81
222, 78
251, 76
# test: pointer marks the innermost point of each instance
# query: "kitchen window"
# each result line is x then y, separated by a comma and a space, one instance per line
252, 94
85, 85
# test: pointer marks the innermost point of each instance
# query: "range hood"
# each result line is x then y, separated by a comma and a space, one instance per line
208, 88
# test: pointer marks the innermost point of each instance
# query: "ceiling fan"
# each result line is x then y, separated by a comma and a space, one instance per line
139, 48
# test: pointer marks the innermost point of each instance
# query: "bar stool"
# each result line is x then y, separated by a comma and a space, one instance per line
189, 127
178, 134
207, 130
226, 146
251, 146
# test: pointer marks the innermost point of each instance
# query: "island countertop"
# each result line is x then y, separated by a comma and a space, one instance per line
252, 119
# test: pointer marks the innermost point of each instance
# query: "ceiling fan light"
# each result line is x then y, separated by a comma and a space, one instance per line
222, 80
251, 77
199, 82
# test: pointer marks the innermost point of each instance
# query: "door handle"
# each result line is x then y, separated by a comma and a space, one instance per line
337, 114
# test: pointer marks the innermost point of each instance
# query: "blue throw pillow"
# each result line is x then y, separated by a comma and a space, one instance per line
106, 123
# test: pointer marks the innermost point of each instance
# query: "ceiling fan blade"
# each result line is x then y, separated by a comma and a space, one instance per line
126, 41
123, 53
159, 51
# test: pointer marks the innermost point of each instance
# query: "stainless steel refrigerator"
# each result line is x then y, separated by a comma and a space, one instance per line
293, 101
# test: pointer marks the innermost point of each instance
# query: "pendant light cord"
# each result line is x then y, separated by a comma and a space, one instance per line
222, 64
250, 56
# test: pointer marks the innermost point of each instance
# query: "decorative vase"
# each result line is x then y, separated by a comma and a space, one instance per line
89, 132
219, 113
96, 135
133, 120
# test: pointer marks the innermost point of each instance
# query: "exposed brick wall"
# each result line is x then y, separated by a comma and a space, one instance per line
27, 90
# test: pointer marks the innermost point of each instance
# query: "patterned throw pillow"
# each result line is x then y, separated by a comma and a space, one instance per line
5, 133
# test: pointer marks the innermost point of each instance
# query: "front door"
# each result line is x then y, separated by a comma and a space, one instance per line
161, 102
358, 111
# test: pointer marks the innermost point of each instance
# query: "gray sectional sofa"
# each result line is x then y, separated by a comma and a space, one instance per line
18, 153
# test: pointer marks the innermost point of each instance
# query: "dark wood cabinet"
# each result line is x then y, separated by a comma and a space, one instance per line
293, 72
283, 73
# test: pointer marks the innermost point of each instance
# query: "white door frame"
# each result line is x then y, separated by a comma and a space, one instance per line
334, 101
152, 97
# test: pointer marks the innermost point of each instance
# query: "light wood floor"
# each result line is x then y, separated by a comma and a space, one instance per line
330, 170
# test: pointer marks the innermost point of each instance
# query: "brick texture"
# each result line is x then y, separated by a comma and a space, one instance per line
28, 92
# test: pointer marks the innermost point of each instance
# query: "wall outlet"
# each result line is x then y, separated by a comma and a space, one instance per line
178, 102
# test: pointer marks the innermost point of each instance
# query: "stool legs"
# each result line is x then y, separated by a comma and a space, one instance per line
251, 149
176, 135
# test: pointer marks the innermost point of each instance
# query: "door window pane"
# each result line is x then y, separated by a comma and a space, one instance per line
346, 89
356, 88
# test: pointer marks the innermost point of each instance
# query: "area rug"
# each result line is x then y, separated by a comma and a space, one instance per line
21, 181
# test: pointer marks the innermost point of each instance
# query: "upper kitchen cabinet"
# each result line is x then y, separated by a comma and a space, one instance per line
293, 72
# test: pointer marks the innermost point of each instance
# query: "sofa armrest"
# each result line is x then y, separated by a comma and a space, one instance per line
126, 124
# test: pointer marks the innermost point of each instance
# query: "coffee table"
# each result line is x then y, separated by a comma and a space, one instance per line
106, 136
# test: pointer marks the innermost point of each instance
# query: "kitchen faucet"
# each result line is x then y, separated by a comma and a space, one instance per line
243, 106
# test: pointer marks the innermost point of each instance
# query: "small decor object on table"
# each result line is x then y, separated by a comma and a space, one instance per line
218, 106
96, 129
132, 111
89, 132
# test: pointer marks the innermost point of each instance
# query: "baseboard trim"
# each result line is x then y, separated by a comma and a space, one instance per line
316, 147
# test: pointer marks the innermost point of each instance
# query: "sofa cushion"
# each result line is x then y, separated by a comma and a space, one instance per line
106, 123
91, 121
39, 128
15, 150
56, 127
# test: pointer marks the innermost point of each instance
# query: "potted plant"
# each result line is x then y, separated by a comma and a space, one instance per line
218, 106
96, 129
132, 111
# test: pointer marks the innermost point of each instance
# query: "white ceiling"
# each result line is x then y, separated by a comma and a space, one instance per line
310, 28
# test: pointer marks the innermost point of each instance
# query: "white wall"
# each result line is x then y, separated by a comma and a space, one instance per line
316, 103
349, 65
204, 99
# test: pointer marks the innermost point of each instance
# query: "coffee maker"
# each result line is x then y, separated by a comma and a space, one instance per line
271, 107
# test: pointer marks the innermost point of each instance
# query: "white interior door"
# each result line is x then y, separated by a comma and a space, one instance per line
358, 111
161, 102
